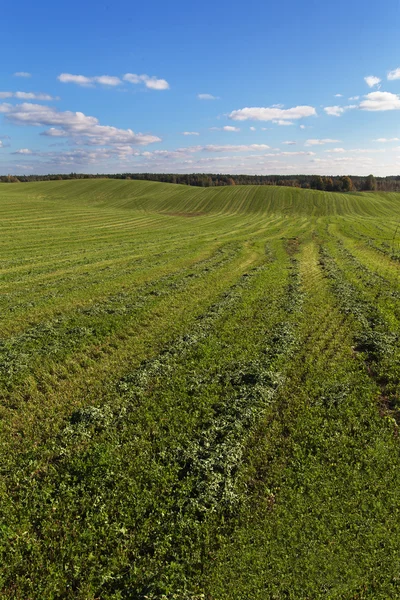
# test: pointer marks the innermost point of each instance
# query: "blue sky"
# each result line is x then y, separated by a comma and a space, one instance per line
259, 87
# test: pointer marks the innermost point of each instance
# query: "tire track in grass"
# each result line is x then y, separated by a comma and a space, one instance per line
205, 464
322, 514
57, 339
375, 340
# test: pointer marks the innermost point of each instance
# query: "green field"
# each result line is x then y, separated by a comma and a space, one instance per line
199, 392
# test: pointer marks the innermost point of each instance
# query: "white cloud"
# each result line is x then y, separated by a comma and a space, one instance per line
74, 124
338, 95
289, 143
336, 150
316, 142
78, 79
365, 150
1, 144
272, 114
337, 111
334, 111
282, 122
26, 96
377, 101
395, 74
232, 148
207, 97
23, 151
384, 140
22, 74
372, 81
298, 153
225, 128
107, 80
354, 98
150, 82
302, 126
54, 132
190, 133
252, 128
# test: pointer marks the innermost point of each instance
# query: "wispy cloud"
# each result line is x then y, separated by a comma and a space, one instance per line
27, 96
384, 140
190, 133
334, 111
207, 97
282, 122
25, 151
150, 82
82, 80
320, 142
74, 124
277, 115
395, 74
22, 74
226, 128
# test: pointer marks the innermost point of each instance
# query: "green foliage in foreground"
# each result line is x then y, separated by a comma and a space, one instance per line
199, 392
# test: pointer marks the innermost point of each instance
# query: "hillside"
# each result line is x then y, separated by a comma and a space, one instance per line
162, 197
199, 392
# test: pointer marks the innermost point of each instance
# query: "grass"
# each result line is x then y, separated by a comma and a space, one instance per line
199, 392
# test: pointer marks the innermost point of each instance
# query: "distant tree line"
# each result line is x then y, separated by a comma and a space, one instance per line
315, 182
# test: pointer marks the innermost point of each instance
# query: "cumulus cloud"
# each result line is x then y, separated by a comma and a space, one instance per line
252, 128
289, 143
372, 81
384, 140
22, 74
302, 126
27, 96
320, 142
74, 124
278, 115
150, 82
395, 74
207, 97
380, 101
190, 133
